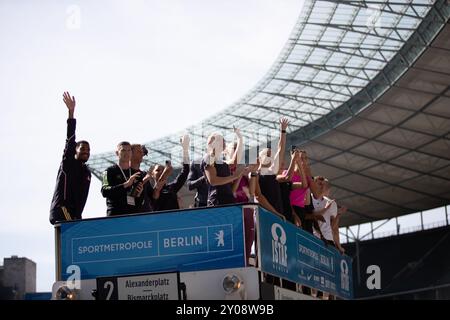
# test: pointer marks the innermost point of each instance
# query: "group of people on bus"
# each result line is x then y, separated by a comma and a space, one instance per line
219, 178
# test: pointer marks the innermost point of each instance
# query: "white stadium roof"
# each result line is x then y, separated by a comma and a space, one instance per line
365, 85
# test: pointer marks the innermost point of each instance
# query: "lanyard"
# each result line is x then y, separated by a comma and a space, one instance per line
129, 171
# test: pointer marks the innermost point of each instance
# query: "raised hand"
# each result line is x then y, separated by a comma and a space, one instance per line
185, 140
70, 103
237, 131
284, 122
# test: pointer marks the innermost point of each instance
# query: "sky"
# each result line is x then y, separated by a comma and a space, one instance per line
138, 69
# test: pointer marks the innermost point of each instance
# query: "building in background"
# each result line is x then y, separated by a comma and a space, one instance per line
17, 277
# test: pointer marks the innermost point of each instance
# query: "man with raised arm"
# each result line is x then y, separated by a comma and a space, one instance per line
74, 177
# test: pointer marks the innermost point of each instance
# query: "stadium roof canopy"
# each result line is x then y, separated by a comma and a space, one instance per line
365, 85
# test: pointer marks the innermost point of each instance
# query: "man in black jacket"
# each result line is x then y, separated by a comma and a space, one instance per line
123, 195
74, 177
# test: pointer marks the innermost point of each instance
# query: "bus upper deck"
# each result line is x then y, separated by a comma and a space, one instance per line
226, 252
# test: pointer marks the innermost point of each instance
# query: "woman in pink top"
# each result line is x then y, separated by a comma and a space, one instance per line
300, 194
299, 187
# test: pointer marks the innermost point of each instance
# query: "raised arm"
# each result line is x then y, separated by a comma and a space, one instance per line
166, 173
238, 153
185, 141
288, 176
69, 150
70, 103
279, 156
179, 181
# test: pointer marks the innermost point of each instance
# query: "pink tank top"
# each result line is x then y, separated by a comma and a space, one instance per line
297, 196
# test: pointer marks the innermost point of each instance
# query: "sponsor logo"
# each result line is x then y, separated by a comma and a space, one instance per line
345, 279
279, 248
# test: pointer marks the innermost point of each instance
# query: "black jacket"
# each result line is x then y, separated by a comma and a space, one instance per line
72, 182
196, 180
168, 199
115, 193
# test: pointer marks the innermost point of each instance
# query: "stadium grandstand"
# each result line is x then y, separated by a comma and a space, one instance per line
365, 85
413, 265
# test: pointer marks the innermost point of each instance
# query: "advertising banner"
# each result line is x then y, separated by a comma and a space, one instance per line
190, 240
291, 253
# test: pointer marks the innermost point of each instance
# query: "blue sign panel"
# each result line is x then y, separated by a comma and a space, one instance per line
294, 254
192, 240
38, 296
